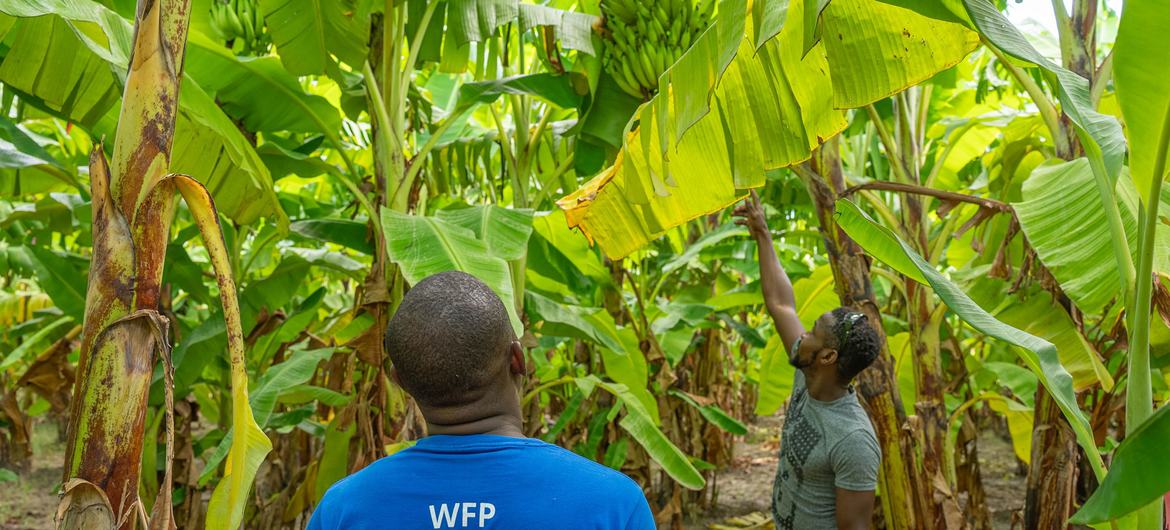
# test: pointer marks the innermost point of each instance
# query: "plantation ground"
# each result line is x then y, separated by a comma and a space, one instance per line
744, 488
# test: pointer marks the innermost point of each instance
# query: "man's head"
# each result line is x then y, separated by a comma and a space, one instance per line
451, 342
841, 340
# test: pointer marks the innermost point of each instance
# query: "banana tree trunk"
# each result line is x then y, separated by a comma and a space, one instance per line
1053, 474
119, 344
1051, 484
901, 500
930, 410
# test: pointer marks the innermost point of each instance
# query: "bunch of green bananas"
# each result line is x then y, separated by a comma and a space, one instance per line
239, 20
647, 36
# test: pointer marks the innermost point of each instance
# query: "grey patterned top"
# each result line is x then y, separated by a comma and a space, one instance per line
825, 445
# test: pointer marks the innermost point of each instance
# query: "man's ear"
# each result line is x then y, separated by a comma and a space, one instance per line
827, 356
516, 362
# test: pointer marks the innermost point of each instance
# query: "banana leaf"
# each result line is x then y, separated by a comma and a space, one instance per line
423, 246
307, 35
767, 109
249, 445
1039, 355
69, 58
1061, 217
642, 427
1143, 86
1137, 474
505, 231
258, 91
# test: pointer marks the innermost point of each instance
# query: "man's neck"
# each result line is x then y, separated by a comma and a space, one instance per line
496, 412
823, 385
500, 425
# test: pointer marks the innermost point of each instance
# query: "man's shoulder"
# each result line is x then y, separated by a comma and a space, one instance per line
540, 458
576, 468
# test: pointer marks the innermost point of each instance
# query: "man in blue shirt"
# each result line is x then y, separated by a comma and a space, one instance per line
453, 349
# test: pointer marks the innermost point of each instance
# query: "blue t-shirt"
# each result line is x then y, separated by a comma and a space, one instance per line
484, 481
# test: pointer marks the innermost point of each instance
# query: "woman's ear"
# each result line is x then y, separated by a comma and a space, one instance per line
516, 359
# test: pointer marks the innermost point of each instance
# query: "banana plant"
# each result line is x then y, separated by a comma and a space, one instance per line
123, 333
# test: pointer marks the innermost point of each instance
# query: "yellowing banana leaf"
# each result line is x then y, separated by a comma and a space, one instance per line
249, 444
1039, 355
68, 58
424, 246
712, 130
877, 49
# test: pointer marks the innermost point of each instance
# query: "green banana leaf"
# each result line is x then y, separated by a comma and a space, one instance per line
1073, 90
334, 463
552, 227
568, 320
1061, 216
478, 20
308, 34
776, 377
59, 277
258, 90
350, 234
1038, 354
642, 427
28, 343
815, 295
713, 414
1138, 473
562, 90
1037, 313
25, 167
627, 367
68, 58
1143, 85
505, 231
423, 246
903, 356
298, 368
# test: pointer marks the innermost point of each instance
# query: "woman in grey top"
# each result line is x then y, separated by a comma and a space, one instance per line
829, 455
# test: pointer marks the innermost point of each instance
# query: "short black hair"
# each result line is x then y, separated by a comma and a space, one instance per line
857, 342
447, 339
